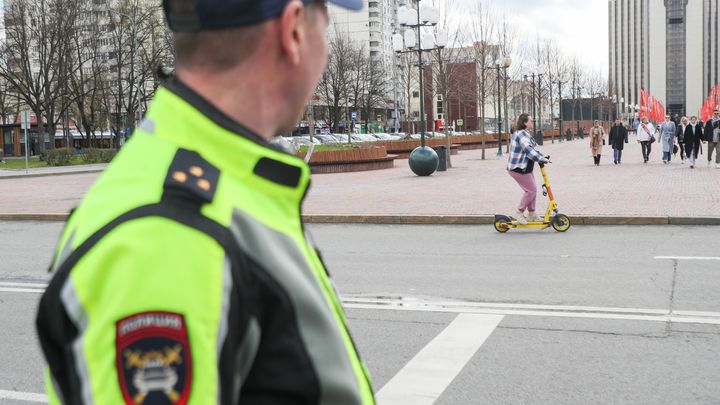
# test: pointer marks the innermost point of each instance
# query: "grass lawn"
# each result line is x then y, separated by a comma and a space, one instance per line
33, 162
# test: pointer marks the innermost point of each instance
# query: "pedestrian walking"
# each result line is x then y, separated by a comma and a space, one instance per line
521, 162
645, 137
635, 126
693, 137
597, 139
712, 137
618, 137
676, 120
666, 134
184, 276
680, 137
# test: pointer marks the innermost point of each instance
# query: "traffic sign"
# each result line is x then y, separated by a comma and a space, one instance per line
459, 122
24, 119
354, 116
379, 117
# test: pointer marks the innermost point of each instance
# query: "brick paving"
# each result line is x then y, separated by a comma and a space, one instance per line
472, 187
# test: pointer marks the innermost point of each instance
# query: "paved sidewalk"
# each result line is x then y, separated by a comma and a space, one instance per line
50, 170
470, 192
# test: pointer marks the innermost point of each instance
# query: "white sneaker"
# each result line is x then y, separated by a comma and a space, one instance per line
533, 217
520, 218
717, 166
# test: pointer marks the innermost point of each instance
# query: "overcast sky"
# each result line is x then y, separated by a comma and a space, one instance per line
578, 25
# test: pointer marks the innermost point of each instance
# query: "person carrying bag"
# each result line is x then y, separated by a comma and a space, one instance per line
645, 137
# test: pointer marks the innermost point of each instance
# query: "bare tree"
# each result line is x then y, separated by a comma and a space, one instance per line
408, 77
333, 88
482, 33
38, 36
508, 40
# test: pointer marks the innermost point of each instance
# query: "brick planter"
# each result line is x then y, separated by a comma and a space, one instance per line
349, 160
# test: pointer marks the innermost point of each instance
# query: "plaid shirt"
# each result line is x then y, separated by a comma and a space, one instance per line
522, 150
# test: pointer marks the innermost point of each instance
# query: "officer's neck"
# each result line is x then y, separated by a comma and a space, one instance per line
250, 102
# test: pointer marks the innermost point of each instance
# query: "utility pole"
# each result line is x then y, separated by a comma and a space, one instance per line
395, 78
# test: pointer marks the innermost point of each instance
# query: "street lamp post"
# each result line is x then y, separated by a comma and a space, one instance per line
504, 63
533, 75
577, 97
560, 112
423, 160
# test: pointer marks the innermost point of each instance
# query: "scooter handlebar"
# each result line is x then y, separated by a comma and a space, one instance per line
541, 164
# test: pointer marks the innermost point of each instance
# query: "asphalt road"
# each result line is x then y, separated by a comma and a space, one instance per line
592, 315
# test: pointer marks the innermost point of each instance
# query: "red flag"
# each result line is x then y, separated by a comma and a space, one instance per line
642, 102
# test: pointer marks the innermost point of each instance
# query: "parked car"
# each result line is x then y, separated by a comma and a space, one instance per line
326, 138
315, 141
342, 138
384, 137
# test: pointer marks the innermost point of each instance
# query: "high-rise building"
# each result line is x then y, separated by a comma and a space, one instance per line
372, 26
669, 47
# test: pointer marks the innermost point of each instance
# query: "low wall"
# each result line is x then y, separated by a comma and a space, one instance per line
349, 160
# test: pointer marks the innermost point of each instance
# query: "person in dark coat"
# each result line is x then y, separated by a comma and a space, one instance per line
618, 136
693, 136
712, 137
680, 136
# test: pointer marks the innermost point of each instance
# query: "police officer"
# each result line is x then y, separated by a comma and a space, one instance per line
184, 276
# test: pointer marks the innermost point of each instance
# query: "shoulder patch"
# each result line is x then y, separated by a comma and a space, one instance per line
153, 359
191, 173
278, 172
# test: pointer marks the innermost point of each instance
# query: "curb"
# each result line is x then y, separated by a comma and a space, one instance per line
17, 176
435, 219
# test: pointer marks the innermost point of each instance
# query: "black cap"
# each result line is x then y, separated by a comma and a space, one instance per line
216, 14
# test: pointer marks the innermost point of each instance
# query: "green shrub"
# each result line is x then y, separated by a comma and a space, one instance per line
106, 155
90, 155
60, 156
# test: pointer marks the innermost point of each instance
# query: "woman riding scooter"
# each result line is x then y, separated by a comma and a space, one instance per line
520, 165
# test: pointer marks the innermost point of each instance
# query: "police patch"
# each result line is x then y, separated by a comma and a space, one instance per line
153, 359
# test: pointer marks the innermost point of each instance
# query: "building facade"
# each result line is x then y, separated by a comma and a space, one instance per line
667, 47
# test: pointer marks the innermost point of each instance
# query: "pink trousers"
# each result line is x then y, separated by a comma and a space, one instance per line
526, 181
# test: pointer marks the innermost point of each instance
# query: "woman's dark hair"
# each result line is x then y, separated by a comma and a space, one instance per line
521, 122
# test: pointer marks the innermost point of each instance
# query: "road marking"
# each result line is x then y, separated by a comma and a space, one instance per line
28, 287
430, 372
634, 314
686, 258
24, 396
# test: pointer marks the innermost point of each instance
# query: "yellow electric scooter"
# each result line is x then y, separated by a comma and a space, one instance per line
560, 222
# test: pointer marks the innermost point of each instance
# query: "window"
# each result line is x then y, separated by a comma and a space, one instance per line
36, 62
373, 53
373, 4
416, 94
374, 43
374, 14
374, 24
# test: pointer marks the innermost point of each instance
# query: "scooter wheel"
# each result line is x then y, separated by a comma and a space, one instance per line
561, 223
502, 223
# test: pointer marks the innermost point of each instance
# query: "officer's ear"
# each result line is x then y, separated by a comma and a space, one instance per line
292, 30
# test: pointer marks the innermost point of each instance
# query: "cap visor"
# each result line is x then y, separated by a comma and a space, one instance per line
355, 5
